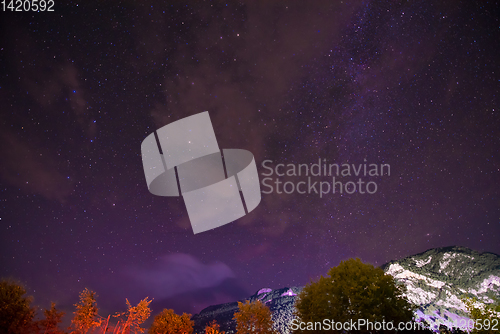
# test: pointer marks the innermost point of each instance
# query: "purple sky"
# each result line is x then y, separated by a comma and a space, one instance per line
413, 85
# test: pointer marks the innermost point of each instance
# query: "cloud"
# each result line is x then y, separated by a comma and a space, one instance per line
31, 168
244, 75
51, 80
178, 273
194, 301
179, 281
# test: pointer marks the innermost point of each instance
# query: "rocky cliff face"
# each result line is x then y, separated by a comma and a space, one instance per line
436, 280
279, 301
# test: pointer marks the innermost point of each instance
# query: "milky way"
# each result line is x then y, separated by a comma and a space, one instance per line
410, 84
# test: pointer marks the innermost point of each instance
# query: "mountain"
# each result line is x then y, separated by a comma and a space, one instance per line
279, 301
436, 280
439, 278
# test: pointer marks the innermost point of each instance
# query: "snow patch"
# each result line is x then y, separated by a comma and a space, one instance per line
491, 283
447, 257
400, 273
264, 290
421, 263
420, 296
452, 301
288, 293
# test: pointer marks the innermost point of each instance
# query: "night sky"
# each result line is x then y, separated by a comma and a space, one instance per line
411, 84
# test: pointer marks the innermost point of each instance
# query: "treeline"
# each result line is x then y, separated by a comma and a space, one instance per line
17, 316
350, 292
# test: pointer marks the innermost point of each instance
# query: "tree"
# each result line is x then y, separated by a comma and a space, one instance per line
485, 316
85, 317
53, 318
253, 317
354, 290
167, 322
16, 314
213, 328
136, 316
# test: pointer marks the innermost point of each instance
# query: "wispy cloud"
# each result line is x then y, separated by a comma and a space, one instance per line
31, 168
178, 273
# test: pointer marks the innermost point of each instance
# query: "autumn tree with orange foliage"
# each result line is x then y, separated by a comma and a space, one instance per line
168, 322
85, 317
253, 318
53, 317
136, 316
213, 328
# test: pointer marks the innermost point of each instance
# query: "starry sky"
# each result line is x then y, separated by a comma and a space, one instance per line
412, 84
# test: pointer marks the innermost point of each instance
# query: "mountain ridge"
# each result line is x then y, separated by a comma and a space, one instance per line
435, 280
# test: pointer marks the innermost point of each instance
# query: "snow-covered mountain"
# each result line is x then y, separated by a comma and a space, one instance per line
436, 280
439, 278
